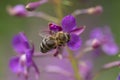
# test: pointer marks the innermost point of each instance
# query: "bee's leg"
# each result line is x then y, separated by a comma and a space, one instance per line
58, 52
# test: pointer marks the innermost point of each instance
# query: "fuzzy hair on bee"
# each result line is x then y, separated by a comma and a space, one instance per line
53, 41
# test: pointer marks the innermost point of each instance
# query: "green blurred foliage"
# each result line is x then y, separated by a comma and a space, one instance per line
10, 25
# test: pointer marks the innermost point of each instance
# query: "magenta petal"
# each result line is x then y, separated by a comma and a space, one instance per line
29, 57
14, 65
20, 43
54, 27
78, 31
68, 23
110, 48
75, 42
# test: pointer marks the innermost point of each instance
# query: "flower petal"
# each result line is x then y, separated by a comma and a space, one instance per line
108, 34
14, 65
20, 43
54, 27
110, 48
96, 33
29, 55
75, 42
78, 31
68, 23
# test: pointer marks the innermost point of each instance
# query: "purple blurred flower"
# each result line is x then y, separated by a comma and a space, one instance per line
58, 69
69, 26
21, 64
85, 70
118, 78
106, 39
18, 10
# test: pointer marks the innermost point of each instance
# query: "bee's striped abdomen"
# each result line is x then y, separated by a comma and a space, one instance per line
47, 45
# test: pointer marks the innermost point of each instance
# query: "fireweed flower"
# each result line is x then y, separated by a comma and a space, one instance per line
68, 25
18, 10
21, 64
106, 40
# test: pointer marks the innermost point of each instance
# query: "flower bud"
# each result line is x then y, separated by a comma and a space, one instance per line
18, 10
111, 65
34, 5
95, 10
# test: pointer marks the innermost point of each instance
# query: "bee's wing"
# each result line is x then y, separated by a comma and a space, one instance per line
44, 34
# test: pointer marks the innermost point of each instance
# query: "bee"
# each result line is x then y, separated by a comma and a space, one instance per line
54, 40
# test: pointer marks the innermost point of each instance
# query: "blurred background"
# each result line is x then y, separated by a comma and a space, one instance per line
9, 26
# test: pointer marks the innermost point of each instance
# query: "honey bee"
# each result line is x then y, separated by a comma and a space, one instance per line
53, 41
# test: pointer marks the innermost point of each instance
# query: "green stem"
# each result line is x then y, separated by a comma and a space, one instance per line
84, 51
74, 64
72, 59
58, 9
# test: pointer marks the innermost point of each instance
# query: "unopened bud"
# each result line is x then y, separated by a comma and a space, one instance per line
34, 5
111, 65
95, 10
18, 10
